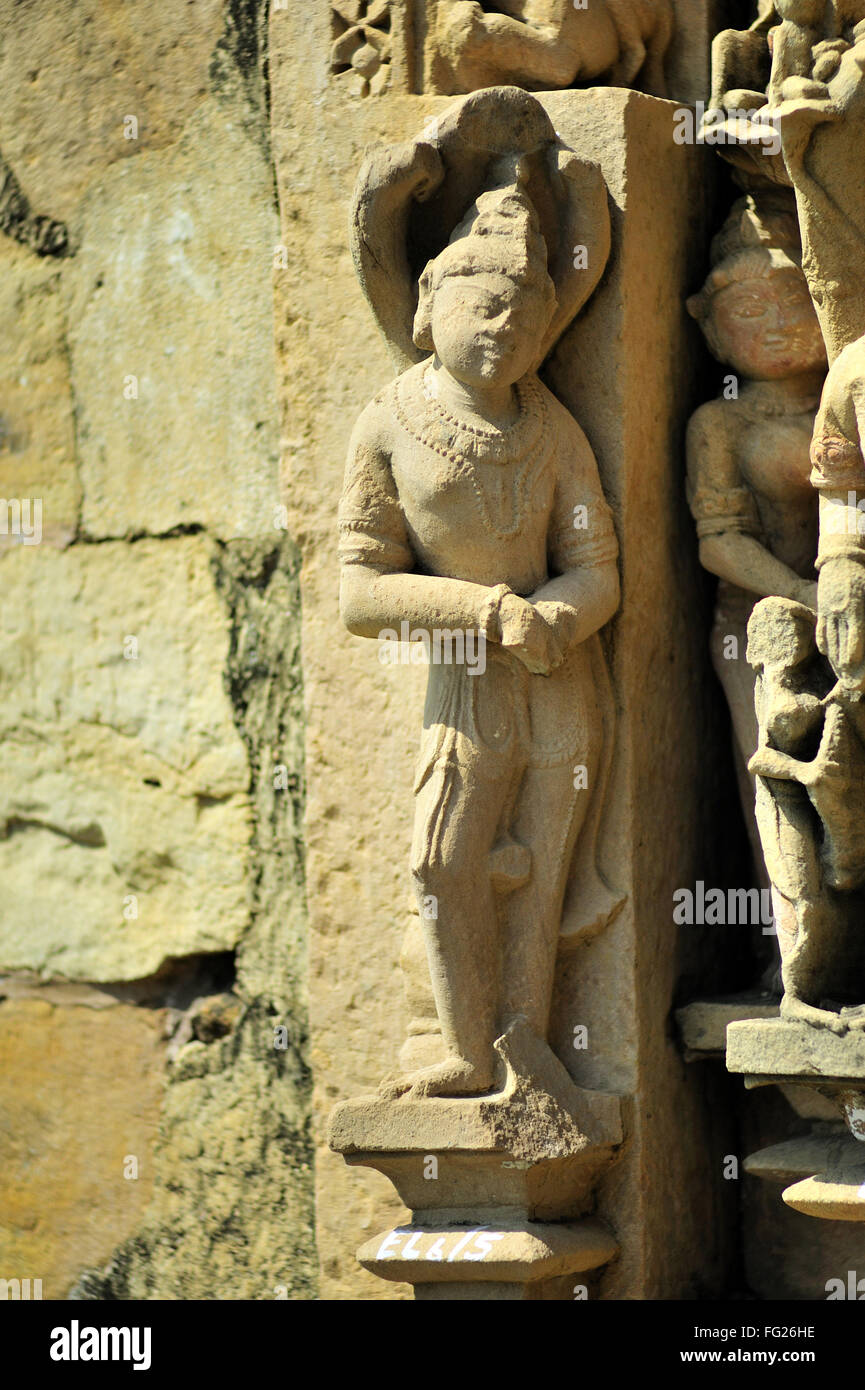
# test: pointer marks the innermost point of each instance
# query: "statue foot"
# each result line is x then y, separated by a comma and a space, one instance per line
794, 1008
854, 1017
452, 1077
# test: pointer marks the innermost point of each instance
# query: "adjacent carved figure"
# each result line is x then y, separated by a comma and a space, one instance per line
805, 27
472, 504
788, 73
748, 451
811, 756
542, 44
821, 118
810, 766
741, 62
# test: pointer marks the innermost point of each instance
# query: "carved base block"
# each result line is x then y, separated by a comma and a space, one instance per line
703, 1023
536, 1146
769, 1051
527, 1260
486, 1177
780, 1051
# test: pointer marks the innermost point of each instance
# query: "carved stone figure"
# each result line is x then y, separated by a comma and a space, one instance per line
805, 27
741, 66
810, 759
544, 44
821, 118
741, 62
472, 504
748, 451
818, 866
811, 764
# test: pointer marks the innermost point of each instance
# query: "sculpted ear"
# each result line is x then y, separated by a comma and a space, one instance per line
422, 328
693, 304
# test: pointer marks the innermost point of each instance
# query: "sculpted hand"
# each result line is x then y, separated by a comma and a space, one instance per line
528, 636
841, 619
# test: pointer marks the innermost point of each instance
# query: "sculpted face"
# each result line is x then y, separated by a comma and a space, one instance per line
488, 328
765, 326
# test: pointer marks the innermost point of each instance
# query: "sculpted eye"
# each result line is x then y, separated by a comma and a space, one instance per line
750, 309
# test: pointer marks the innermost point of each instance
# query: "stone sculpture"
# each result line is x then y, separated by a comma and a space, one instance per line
546, 44
816, 857
821, 119
472, 505
811, 764
810, 758
748, 451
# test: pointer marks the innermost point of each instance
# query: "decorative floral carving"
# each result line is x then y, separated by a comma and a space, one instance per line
361, 51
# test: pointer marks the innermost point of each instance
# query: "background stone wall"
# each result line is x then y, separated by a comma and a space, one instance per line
154, 1081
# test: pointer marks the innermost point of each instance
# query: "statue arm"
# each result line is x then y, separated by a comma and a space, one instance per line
379, 585
584, 591
371, 600
579, 602
742, 560
725, 511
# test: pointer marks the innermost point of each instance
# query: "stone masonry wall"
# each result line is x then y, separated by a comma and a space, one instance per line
154, 1084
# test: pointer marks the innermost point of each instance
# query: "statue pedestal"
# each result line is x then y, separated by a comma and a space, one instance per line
490, 1180
496, 1260
784, 1052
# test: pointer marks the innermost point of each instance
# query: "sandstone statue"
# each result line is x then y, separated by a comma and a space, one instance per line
545, 44
821, 118
810, 758
472, 504
811, 764
748, 451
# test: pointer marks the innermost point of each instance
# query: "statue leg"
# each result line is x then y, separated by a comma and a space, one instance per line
791, 56
551, 815
457, 818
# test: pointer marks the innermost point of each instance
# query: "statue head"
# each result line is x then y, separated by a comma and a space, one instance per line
780, 637
754, 308
486, 301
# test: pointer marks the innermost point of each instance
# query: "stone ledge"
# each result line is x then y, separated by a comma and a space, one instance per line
703, 1023
512, 1254
781, 1049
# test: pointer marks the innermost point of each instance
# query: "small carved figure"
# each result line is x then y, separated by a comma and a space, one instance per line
463, 510
810, 768
748, 451
804, 27
811, 757
543, 44
741, 61
821, 120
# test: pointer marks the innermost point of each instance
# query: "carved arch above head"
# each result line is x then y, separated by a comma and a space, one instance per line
410, 197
